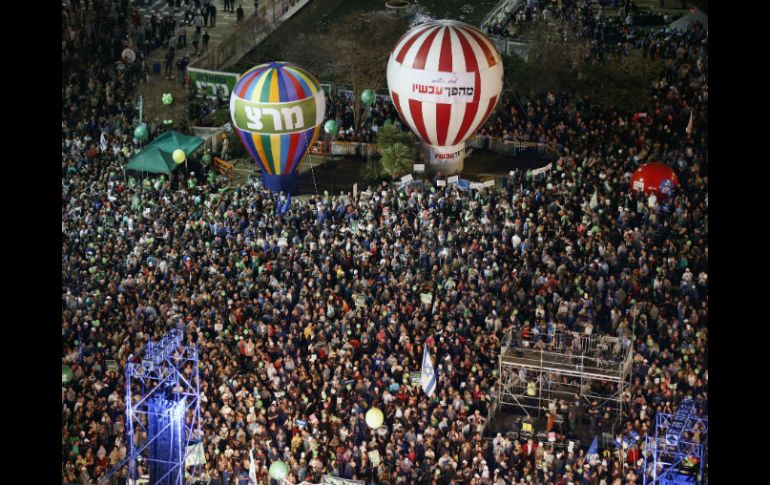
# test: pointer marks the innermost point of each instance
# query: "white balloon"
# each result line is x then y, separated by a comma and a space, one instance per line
445, 78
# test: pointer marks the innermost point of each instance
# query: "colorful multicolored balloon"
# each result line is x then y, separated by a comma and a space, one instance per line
445, 78
277, 110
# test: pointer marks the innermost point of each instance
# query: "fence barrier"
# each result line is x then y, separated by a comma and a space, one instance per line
223, 168
252, 30
498, 14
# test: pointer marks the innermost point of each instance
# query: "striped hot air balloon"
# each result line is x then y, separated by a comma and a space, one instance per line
445, 78
277, 109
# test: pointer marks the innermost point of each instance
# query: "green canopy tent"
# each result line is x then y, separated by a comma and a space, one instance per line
157, 156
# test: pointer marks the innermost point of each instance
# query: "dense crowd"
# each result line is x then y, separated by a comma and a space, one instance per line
607, 22
306, 319
340, 107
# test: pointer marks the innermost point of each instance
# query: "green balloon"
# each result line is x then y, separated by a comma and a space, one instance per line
279, 470
367, 96
331, 127
66, 374
140, 133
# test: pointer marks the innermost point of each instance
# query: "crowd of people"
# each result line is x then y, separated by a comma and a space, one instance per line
586, 19
340, 107
306, 319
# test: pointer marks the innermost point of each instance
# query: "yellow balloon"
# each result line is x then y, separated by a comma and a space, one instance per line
374, 418
178, 156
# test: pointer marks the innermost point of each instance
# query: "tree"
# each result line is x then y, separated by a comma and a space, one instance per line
397, 150
623, 82
388, 135
558, 63
550, 63
373, 172
398, 158
353, 50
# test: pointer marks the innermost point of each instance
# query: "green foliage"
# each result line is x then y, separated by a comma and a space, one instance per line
549, 65
557, 64
624, 82
388, 135
373, 172
397, 150
236, 147
398, 158
354, 50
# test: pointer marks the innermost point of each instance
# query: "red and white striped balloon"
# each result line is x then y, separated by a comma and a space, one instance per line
445, 79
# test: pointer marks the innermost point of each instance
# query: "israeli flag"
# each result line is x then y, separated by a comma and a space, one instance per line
103, 143
428, 375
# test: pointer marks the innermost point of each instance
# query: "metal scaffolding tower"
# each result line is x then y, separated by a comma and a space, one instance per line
676, 454
162, 411
548, 368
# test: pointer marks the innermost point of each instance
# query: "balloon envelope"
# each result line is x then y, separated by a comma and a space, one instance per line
374, 418
178, 155
331, 127
66, 374
278, 470
277, 110
367, 96
140, 133
445, 78
128, 55
656, 177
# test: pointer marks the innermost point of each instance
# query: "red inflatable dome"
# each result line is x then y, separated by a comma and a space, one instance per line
657, 178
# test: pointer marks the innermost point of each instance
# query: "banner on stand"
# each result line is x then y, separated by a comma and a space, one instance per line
212, 82
540, 170
330, 480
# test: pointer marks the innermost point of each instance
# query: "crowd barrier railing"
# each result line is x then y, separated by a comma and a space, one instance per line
249, 33
498, 14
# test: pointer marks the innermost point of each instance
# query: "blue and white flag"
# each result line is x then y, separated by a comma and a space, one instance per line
286, 204
103, 143
593, 451
428, 376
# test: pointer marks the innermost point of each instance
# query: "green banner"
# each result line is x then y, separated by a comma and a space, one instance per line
211, 81
327, 87
275, 118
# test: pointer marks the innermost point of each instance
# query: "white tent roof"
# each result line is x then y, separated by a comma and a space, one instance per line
686, 22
